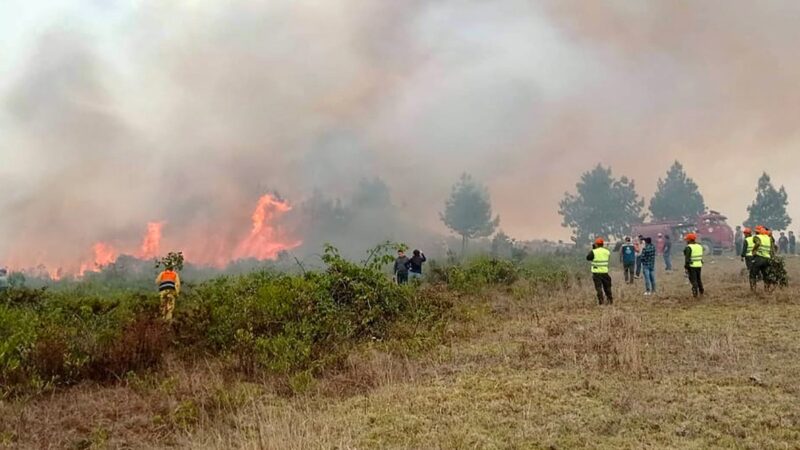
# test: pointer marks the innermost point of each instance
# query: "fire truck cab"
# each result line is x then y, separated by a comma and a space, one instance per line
712, 230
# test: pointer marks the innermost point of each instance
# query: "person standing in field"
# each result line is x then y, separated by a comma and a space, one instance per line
738, 240
667, 253
627, 256
649, 266
169, 287
4, 284
783, 244
639, 248
747, 249
763, 253
792, 243
693, 263
600, 258
415, 265
401, 268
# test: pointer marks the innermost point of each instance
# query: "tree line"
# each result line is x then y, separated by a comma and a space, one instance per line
605, 206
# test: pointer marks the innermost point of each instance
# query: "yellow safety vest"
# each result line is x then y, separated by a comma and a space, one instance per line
765, 246
696, 260
749, 243
601, 258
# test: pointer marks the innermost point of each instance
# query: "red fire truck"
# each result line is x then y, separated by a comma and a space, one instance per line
711, 228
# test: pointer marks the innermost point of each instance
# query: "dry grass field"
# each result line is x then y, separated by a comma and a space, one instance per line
513, 370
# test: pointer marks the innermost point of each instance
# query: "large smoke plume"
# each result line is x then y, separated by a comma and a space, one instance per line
187, 112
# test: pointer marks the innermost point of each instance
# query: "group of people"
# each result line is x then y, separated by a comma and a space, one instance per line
641, 257
785, 244
406, 268
757, 252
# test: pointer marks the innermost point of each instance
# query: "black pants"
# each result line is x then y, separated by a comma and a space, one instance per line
402, 277
628, 268
602, 284
696, 279
748, 262
759, 268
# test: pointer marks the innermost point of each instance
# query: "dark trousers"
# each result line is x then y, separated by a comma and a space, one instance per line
748, 262
759, 268
638, 265
696, 279
627, 269
602, 284
402, 277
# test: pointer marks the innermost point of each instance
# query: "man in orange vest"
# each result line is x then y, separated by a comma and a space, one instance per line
169, 286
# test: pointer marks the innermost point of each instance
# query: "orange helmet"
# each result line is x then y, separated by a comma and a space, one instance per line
760, 229
691, 237
747, 230
599, 241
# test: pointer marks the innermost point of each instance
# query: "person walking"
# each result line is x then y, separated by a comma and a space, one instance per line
649, 266
738, 239
693, 263
169, 287
747, 249
627, 256
762, 258
401, 268
667, 253
792, 243
600, 258
415, 265
783, 244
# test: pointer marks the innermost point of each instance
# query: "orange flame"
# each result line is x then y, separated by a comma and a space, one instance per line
151, 243
265, 241
104, 254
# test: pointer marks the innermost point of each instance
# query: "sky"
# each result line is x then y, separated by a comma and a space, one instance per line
115, 113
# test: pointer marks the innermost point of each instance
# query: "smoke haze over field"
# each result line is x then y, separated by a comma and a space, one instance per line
186, 112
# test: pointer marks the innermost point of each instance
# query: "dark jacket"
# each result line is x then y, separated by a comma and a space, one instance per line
401, 264
415, 263
627, 253
649, 256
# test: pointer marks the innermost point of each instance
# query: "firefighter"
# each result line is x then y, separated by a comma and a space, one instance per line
762, 258
747, 248
169, 286
693, 255
600, 258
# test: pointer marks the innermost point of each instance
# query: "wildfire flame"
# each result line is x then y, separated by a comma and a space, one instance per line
151, 243
104, 254
264, 240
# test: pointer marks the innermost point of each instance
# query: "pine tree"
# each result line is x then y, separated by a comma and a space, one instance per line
603, 206
468, 211
769, 207
677, 197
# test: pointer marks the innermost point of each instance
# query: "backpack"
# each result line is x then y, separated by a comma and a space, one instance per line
628, 253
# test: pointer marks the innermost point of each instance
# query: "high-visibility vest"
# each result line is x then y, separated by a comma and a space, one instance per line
168, 280
601, 259
696, 259
765, 246
750, 243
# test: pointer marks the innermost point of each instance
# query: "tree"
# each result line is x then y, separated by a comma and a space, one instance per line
372, 194
603, 207
769, 207
468, 211
502, 245
677, 197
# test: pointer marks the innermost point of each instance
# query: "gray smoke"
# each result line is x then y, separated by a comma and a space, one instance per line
189, 111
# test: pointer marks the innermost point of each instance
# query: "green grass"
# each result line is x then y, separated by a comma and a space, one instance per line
512, 367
